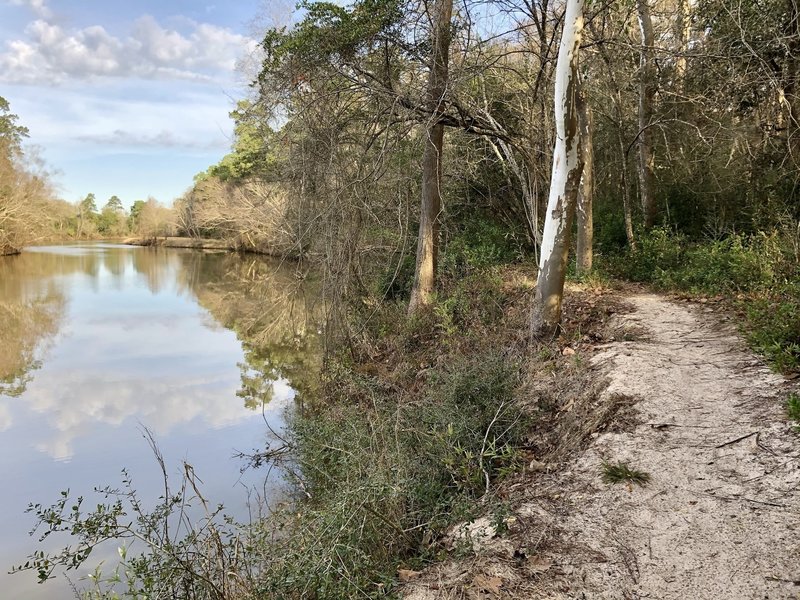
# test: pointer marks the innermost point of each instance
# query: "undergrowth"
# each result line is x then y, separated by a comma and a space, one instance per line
758, 275
793, 408
385, 475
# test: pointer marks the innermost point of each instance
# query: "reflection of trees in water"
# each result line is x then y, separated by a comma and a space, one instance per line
274, 314
158, 266
31, 313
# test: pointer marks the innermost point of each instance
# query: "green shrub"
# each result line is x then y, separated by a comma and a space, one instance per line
773, 323
670, 261
757, 272
380, 483
793, 407
479, 243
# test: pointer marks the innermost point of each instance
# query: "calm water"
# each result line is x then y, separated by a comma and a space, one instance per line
98, 341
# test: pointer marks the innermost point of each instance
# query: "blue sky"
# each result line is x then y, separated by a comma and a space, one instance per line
129, 98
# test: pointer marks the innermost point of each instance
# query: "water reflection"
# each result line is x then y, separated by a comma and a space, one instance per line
269, 309
98, 340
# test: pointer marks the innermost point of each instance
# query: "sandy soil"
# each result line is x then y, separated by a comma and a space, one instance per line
720, 516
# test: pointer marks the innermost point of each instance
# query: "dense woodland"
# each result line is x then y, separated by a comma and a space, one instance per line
426, 157
395, 143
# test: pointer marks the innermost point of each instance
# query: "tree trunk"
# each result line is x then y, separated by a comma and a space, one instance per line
683, 26
790, 90
626, 190
585, 226
647, 92
564, 181
428, 240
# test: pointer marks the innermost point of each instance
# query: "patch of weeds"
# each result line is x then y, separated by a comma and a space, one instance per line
622, 473
479, 243
501, 519
383, 480
773, 325
793, 409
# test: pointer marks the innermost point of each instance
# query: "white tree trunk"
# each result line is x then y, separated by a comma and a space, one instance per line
564, 182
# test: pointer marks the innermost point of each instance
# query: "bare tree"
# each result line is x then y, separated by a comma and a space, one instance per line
647, 92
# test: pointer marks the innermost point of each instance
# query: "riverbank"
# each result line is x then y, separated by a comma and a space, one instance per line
181, 242
446, 456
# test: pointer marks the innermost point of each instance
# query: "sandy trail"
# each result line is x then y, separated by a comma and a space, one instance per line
720, 516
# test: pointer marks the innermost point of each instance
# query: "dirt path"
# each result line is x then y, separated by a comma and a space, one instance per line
720, 517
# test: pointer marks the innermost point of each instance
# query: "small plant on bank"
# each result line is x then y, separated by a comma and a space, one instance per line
793, 409
622, 473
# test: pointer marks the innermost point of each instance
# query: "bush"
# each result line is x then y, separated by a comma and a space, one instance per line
773, 321
479, 243
670, 261
382, 483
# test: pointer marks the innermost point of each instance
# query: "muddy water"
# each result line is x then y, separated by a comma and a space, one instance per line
99, 341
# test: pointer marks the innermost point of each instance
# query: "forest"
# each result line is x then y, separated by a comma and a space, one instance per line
441, 169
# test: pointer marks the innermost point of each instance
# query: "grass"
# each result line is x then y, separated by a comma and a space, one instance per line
793, 408
622, 473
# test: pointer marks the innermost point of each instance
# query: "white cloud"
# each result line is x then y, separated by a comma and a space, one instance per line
37, 6
74, 407
161, 139
51, 54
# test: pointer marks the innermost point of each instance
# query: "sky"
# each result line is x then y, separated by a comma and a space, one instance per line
129, 98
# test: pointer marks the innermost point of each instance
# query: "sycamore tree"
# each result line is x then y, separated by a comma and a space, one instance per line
565, 180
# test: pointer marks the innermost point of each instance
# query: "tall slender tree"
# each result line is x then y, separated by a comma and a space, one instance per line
428, 240
647, 93
564, 182
584, 211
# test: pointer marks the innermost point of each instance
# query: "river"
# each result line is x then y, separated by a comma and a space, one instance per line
99, 342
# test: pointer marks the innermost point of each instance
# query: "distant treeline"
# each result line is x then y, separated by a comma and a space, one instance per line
31, 212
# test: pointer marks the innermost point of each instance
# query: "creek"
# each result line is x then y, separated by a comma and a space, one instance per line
99, 342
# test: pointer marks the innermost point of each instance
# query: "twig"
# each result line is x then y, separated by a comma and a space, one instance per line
739, 439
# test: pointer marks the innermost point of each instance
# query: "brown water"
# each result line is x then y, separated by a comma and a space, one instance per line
98, 341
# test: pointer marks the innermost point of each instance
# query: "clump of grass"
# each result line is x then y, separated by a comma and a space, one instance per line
793, 408
622, 473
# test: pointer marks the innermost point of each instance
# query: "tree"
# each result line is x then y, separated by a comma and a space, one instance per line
136, 211
11, 133
428, 238
647, 92
153, 219
115, 204
111, 220
564, 182
87, 215
584, 208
